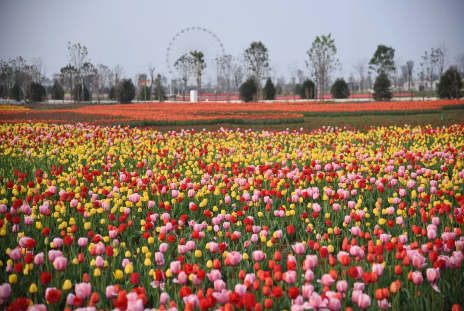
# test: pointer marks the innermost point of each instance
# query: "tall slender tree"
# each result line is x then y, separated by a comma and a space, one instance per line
198, 65
322, 60
257, 57
78, 57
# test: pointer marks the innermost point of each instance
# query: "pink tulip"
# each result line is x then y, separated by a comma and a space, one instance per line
377, 269
111, 292
342, 286
299, 248
223, 296
309, 275
39, 259
289, 277
364, 301
417, 278
326, 280
316, 302
174, 267
70, 299
354, 230
83, 290
433, 275
83, 242
418, 261
307, 290
53, 254
15, 254
38, 307
99, 262
60, 263
383, 304
164, 298
310, 262
240, 289
214, 275
234, 258
258, 256
190, 245
163, 247
134, 197
5, 291
219, 285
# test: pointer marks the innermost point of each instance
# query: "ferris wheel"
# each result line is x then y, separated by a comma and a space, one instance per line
194, 39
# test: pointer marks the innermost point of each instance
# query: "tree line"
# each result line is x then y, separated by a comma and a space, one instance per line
246, 74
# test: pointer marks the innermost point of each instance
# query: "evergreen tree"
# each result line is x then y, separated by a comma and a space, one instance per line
248, 90
340, 89
15, 92
57, 91
450, 84
269, 90
382, 86
307, 89
36, 92
77, 92
126, 91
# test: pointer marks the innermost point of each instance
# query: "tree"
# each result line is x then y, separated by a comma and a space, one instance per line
66, 76
57, 91
6, 76
112, 93
198, 65
79, 89
442, 58
429, 65
78, 57
257, 57
248, 89
404, 73
382, 87
103, 75
383, 60
307, 90
184, 66
322, 60
360, 68
3, 91
238, 75
159, 91
269, 90
410, 66
460, 63
340, 89
15, 92
126, 91
450, 84
151, 70
144, 92
297, 89
18, 67
293, 70
227, 69
37, 92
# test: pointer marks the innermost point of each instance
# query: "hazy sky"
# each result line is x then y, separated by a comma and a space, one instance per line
135, 33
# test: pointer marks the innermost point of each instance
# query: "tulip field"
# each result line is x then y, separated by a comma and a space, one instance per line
112, 217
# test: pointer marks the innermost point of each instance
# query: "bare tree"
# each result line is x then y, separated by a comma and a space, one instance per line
151, 70
442, 58
429, 65
410, 66
361, 67
293, 70
103, 75
36, 70
118, 74
404, 73
460, 64
238, 75
183, 66
301, 76
227, 69
78, 56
